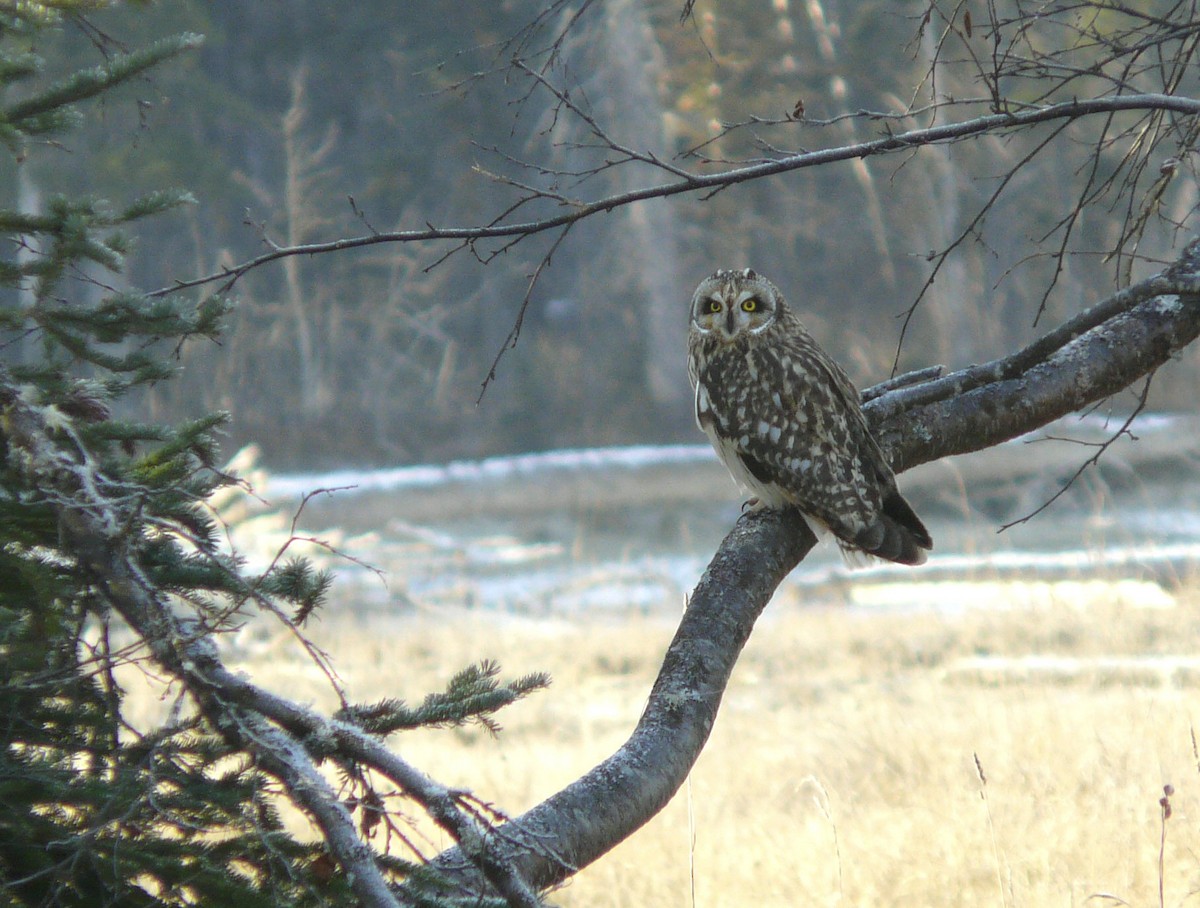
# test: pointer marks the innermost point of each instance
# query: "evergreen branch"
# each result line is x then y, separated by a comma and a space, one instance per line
19, 66
122, 316
155, 203
336, 738
13, 221
472, 695
91, 526
88, 83
708, 182
43, 124
286, 740
297, 582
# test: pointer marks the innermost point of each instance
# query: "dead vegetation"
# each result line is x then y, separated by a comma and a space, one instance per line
861, 756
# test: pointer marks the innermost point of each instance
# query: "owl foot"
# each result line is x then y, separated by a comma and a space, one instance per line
752, 504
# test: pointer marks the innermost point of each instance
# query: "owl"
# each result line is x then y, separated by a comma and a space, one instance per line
787, 422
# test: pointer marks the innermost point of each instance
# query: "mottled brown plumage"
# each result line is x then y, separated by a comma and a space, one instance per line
787, 422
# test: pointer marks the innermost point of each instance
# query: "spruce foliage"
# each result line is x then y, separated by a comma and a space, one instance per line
92, 811
109, 558
473, 695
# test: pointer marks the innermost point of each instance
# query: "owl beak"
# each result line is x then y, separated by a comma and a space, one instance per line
729, 314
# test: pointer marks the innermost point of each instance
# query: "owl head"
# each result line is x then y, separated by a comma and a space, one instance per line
733, 304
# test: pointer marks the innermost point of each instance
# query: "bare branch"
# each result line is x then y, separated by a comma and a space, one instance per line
514, 333
907, 380
941, 257
1101, 448
630, 154
888, 144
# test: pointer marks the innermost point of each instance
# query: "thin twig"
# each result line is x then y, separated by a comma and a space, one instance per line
890, 143
1101, 448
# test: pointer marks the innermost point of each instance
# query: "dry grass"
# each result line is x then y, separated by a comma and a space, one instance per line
842, 770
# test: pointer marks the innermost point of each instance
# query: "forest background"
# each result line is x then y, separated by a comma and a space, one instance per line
296, 122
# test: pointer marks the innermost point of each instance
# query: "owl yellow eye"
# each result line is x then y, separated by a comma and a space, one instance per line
714, 305
750, 305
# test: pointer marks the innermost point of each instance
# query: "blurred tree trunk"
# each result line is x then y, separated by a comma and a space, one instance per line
304, 167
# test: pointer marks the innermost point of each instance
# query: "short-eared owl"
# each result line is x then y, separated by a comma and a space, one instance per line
787, 422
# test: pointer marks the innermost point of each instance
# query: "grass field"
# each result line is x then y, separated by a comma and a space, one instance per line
849, 761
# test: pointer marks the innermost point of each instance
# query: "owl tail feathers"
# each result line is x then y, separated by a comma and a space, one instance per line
897, 534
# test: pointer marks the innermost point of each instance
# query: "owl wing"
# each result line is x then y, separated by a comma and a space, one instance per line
810, 438
790, 417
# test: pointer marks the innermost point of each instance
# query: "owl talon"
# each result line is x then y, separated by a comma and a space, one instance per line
751, 504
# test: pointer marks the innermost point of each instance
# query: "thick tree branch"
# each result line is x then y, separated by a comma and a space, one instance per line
1145, 327
1134, 305
591, 815
695, 182
1132, 339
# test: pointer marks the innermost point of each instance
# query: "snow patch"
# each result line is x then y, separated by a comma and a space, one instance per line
1168, 304
492, 469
